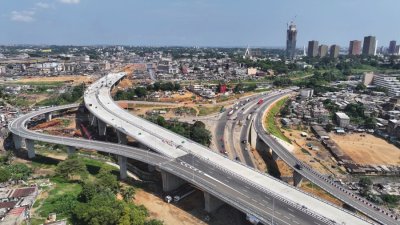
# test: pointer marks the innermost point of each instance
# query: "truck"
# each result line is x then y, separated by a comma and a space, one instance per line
179, 193
260, 101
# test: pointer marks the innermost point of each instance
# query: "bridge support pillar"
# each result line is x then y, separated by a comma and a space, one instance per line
274, 156
297, 178
30, 146
17, 141
170, 182
123, 173
253, 136
211, 203
93, 120
102, 127
48, 116
122, 139
71, 150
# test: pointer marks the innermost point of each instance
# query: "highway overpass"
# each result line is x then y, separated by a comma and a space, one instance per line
181, 160
99, 102
261, 140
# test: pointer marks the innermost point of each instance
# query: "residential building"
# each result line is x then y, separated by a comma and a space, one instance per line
251, 71
306, 93
392, 48
368, 78
391, 83
323, 50
291, 37
355, 47
334, 51
342, 119
312, 49
369, 46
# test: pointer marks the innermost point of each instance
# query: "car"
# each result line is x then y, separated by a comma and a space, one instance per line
244, 141
298, 166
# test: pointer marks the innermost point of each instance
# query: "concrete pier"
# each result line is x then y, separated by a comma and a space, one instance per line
211, 203
71, 150
102, 127
170, 182
123, 173
122, 139
30, 146
17, 141
48, 116
297, 179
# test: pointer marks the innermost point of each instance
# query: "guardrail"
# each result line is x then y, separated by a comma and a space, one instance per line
288, 154
189, 151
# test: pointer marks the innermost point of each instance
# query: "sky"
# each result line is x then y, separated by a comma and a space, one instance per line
221, 23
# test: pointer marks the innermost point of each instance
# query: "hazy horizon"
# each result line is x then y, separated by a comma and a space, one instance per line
190, 23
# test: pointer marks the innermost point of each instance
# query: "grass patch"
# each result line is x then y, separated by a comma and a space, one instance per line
204, 111
93, 166
271, 126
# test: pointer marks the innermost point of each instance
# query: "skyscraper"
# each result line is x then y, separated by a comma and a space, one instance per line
312, 49
392, 47
369, 46
334, 51
355, 47
323, 50
291, 41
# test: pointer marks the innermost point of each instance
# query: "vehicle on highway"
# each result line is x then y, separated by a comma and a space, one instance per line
249, 116
298, 166
260, 101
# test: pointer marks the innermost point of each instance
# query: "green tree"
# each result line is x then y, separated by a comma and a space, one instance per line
329, 127
201, 135
71, 168
128, 193
5, 175
101, 210
141, 92
360, 87
19, 171
107, 181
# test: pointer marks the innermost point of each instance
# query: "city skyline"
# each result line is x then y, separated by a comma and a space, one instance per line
194, 23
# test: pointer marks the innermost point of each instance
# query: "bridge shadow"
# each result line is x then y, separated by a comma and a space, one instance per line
266, 155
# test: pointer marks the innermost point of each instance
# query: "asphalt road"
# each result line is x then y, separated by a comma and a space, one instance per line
324, 182
99, 102
202, 173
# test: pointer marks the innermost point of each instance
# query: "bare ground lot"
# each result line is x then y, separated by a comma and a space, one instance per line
368, 149
73, 79
187, 212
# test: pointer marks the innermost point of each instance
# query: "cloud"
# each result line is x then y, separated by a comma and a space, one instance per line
22, 16
70, 1
42, 5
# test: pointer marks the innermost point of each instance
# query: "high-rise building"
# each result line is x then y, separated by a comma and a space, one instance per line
355, 47
323, 50
397, 51
291, 38
392, 47
334, 51
312, 49
369, 46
